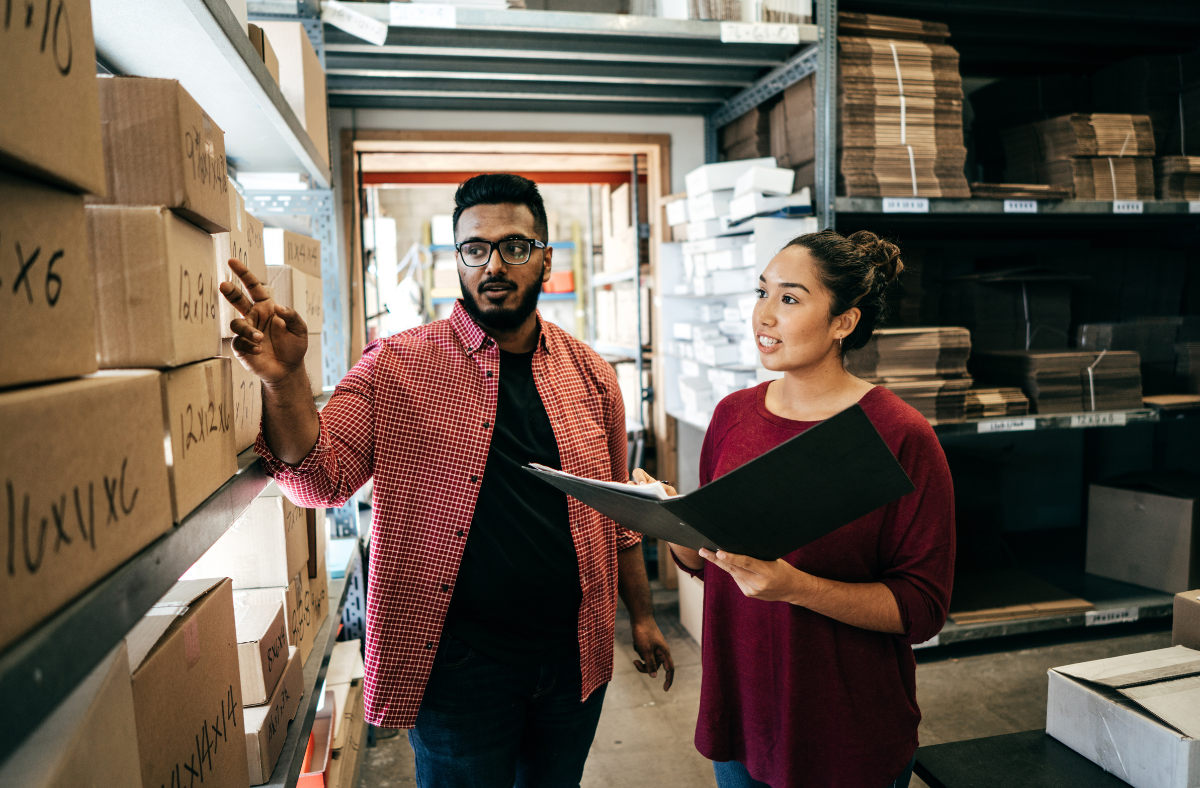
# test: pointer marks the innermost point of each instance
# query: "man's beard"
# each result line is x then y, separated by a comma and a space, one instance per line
501, 318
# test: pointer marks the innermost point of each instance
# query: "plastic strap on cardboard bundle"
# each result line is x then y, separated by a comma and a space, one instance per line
1092, 379
912, 163
1112, 170
1025, 302
1182, 146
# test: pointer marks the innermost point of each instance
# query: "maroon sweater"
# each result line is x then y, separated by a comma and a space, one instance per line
798, 698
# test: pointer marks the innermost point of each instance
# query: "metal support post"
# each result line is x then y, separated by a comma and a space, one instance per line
826, 132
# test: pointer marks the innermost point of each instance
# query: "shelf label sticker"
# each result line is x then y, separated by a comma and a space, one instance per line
1194, 207
1127, 206
933, 641
1007, 425
906, 205
422, 15
762, 33
354, 22
1103, 419
1117, 615
1020, 206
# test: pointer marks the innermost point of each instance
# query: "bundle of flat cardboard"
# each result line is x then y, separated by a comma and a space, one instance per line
925, 367
1011, 309
1100, 156
900, 110
1177, 177
1158, 341
1020, 191
747, 137
995, 403
1164, 87
1066, 381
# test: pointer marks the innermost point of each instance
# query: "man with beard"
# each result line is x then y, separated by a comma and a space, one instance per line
491, 596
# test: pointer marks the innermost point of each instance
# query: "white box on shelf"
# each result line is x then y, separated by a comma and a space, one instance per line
745, 306
765, 180
681, 330
709, 205
734, 328
706, 245
748, 352
716, 354
721, 175
689, 369
677, 213
732, 313
733, 378
740, 280
710, 228
687, 350
702, 332
754, 204
711, 313
724, 260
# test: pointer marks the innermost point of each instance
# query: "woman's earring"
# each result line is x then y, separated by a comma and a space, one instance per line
839, 342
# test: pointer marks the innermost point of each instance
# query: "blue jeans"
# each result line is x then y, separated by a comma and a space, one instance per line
731, 774
484, 724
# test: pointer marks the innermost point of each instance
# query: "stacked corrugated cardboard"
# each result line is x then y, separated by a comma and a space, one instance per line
748, 137
900, 109
294, 271
1099, 156
1177, 177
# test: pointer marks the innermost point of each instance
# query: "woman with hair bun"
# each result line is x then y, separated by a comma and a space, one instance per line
809, 676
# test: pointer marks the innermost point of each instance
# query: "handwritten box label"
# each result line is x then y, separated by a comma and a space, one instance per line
1121, 615
354, 22
198, 401
422, 15
759, 33
906, 205
1101, 419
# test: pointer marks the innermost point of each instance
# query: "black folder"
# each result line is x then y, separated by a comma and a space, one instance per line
804, 488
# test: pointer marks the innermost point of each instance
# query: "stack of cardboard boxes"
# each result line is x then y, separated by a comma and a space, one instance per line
294, 273
344, 679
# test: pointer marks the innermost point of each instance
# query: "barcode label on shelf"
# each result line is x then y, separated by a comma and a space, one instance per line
1127, 206
1118, 615
1007, 425
1194, 207
422, 15
906, 205
742, 33
1020, 206
1108, 419
933, 641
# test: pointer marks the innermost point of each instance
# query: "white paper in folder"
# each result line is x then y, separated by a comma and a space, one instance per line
653, 491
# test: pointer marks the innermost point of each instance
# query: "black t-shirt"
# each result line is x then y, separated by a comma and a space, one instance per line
517, 595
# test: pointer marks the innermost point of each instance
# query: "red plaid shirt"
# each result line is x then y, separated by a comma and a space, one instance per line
416, 413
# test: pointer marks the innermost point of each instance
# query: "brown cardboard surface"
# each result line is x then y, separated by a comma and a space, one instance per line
314, 365
345, 663
347, 740
284, 247
85, 488
156, 297
1141, 536
262, 649
1185, 626
301, 292
266, 726
198, 412
46, 282
89, 740
161, 148
301, 79
262, 45
316, 542
296, 607
187, 690
263, 549
50, 126
247, 400
321, 745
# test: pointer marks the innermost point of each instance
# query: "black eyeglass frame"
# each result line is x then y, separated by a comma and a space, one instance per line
495, 248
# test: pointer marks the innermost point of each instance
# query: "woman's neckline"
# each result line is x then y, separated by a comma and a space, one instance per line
760, 401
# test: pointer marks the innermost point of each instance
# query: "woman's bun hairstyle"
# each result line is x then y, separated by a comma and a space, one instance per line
856, 270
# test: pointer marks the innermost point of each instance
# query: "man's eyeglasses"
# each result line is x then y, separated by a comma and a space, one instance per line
514, 251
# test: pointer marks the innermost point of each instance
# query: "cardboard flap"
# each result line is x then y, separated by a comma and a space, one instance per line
1133, 669
253, 622
158, 619
345, 663
1175, 702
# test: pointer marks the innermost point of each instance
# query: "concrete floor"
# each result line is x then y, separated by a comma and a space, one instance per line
965, 692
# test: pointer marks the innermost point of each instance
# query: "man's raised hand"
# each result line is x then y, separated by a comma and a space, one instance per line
270, 340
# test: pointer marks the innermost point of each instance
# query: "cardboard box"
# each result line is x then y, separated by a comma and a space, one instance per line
244, 241
50, 126
262, 650
160, 148
320, 747
89, 740
317, 539
266, 726
297, 290
1185, 626
691, 604
302, 80
314, 365
347, 757
263, 549
156, 297
187, 692
86, 481
1142, 529
284, 247
262, 45
247, 400
1137, 716
46, 283
198, 412
297, 608
343, 677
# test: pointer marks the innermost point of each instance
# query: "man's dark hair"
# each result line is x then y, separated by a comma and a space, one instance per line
499, 188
